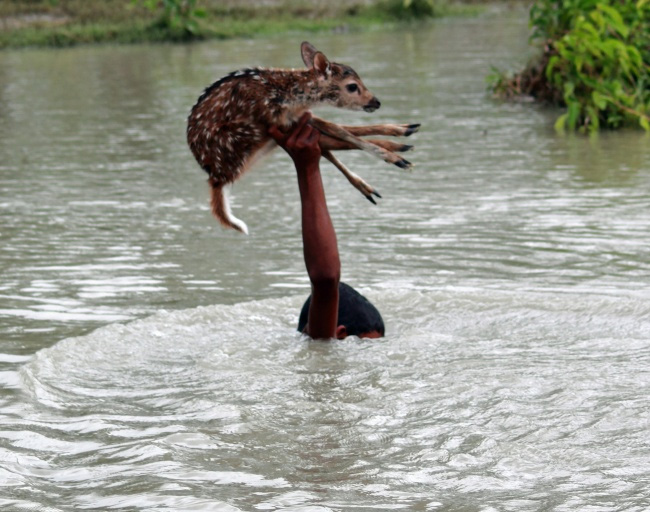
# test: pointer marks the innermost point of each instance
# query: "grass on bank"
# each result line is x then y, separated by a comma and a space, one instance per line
60, 23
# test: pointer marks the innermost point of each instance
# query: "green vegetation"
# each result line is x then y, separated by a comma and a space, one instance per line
595, 62
176, 15
71, 22
408, 9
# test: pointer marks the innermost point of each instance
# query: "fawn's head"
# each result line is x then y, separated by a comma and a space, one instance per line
340, 84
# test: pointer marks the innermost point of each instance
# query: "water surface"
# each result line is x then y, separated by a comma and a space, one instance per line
149, 359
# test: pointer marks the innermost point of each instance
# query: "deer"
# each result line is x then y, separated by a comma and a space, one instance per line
227, 129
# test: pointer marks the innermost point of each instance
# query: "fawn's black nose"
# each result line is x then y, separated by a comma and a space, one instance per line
373, 105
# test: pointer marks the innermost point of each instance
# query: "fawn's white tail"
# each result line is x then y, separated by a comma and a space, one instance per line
221, 209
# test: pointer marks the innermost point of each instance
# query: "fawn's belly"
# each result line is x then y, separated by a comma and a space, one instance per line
227, 151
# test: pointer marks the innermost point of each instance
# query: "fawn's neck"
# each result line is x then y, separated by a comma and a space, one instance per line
297, 88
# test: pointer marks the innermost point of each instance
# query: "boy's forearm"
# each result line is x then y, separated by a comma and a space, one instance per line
319, 238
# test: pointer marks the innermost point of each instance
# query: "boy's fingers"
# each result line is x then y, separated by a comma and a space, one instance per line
297, 131
293, 137
304, 119
303, 132
277, 134
314, 136
308, 136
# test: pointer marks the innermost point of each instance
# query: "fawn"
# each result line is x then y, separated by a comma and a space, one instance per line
227, 129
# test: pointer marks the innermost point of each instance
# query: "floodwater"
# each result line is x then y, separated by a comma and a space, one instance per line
149, 359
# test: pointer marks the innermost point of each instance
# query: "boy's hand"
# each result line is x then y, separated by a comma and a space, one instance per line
301, 142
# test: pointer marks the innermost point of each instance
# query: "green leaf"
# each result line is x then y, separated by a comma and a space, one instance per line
573, 115
550, 67
599, 100
594, 121
597, 18
569, 88
560, 123
635, 57
615, 19
644, 123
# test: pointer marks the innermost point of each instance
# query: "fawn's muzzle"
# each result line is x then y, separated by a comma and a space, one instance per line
373, 105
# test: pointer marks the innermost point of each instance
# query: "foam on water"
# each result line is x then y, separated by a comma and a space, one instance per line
508, 398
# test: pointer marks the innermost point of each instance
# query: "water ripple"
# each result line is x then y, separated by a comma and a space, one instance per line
510, 266
497, 401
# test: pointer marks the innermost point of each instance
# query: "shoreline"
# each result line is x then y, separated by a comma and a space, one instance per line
46, 25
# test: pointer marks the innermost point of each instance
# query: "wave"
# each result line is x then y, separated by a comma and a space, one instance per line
500, 394
184, 348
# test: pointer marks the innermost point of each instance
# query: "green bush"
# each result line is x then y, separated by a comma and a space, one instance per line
176, 16
595, 62
407, 9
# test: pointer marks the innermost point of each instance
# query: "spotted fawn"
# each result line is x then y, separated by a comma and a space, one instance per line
227, 129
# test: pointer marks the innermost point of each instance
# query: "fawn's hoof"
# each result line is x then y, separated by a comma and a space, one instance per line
405, 147
372, 199
403, 164
412, 128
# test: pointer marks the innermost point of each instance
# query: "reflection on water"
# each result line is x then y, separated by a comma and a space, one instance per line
510, 265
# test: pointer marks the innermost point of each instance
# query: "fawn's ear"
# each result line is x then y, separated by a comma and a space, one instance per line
308, 51
322, 65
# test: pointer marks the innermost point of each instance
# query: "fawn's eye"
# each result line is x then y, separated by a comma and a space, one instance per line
352, 87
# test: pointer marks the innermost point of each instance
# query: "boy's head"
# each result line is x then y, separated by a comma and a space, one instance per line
357, 316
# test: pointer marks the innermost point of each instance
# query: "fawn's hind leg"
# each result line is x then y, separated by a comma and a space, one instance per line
336, 131
367, 190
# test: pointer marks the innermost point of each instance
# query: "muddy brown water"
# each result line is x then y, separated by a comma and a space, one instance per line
149, 359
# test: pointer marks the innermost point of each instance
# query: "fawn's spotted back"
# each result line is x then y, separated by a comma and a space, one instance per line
228, 126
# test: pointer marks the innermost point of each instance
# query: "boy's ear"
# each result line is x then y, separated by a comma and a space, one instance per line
322, 65
308, 51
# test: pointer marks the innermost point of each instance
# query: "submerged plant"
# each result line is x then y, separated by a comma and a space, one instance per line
595, 61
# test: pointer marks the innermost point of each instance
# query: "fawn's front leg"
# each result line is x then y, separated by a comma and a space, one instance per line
338, 132
327, 142
392, 130
367, 190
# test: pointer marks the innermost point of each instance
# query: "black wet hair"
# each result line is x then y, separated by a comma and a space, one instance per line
356, 313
